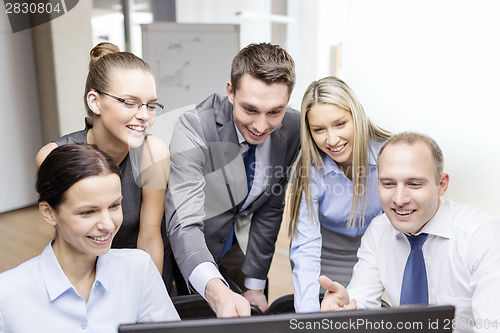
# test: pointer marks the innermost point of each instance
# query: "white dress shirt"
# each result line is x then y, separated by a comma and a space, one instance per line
37, 296
462, 257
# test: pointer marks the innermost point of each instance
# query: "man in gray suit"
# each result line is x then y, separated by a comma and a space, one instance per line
230, 159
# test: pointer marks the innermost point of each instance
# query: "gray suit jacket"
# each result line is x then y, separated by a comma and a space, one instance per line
207, 185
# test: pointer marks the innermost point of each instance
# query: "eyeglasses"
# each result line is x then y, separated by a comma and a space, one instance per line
131, 102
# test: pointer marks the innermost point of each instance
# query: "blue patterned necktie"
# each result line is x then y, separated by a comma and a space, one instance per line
249, 161
414, 289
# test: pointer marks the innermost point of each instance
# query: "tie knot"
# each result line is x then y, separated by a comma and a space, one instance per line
251, 148
249, 155
416, 242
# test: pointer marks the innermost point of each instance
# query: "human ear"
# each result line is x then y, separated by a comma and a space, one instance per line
230, 91
48, 213
443, 184
92, 102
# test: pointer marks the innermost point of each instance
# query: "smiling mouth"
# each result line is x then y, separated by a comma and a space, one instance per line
338, 148
403, 212
256, 133
137, 128
101, 238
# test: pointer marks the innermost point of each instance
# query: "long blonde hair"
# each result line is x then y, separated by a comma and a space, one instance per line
331, 90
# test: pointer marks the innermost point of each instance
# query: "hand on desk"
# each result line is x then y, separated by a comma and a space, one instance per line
257, 298
336, 296
225, 302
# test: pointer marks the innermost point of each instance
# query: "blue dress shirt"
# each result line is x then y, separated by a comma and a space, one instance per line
331, 194
37, 296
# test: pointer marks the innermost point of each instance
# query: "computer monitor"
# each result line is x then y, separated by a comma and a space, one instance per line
422, 319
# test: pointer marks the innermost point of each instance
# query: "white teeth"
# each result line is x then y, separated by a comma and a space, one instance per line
257, 134
101, 238
404, 212
136, 128
338, 148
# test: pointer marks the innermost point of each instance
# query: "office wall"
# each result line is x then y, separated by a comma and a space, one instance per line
433, 66
313, 28
318, 27
252, 16
19, 111
62, 48
42, 80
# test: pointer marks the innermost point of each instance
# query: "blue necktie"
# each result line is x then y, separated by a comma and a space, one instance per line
414, 288
249, 161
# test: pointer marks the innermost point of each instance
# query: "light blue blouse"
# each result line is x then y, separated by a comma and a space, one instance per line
331, 194
37, 296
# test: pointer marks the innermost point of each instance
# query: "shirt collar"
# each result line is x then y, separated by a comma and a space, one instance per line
373, 153
330, 165
440, 224
102, 273
241, 138
57, 283
55, 280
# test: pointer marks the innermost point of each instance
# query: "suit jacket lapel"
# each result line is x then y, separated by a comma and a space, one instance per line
278, 149
232, 154
225, 126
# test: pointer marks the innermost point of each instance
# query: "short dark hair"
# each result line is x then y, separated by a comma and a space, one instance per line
266, 62
68, 164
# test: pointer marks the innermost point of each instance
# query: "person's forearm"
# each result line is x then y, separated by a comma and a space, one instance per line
152, 244
150, 238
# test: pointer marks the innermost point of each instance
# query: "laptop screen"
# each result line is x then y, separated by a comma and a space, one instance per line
420, 319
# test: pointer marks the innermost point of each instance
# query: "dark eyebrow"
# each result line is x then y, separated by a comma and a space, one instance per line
279, 107
87, 207
118, 200
250, 106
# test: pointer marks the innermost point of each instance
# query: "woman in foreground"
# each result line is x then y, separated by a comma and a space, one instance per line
77, 282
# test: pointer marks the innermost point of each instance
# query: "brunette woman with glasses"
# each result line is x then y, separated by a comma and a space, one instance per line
121, 103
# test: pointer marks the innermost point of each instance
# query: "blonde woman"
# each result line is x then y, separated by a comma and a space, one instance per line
334, 193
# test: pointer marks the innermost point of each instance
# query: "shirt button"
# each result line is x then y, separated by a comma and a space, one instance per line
84, 326
222, 240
